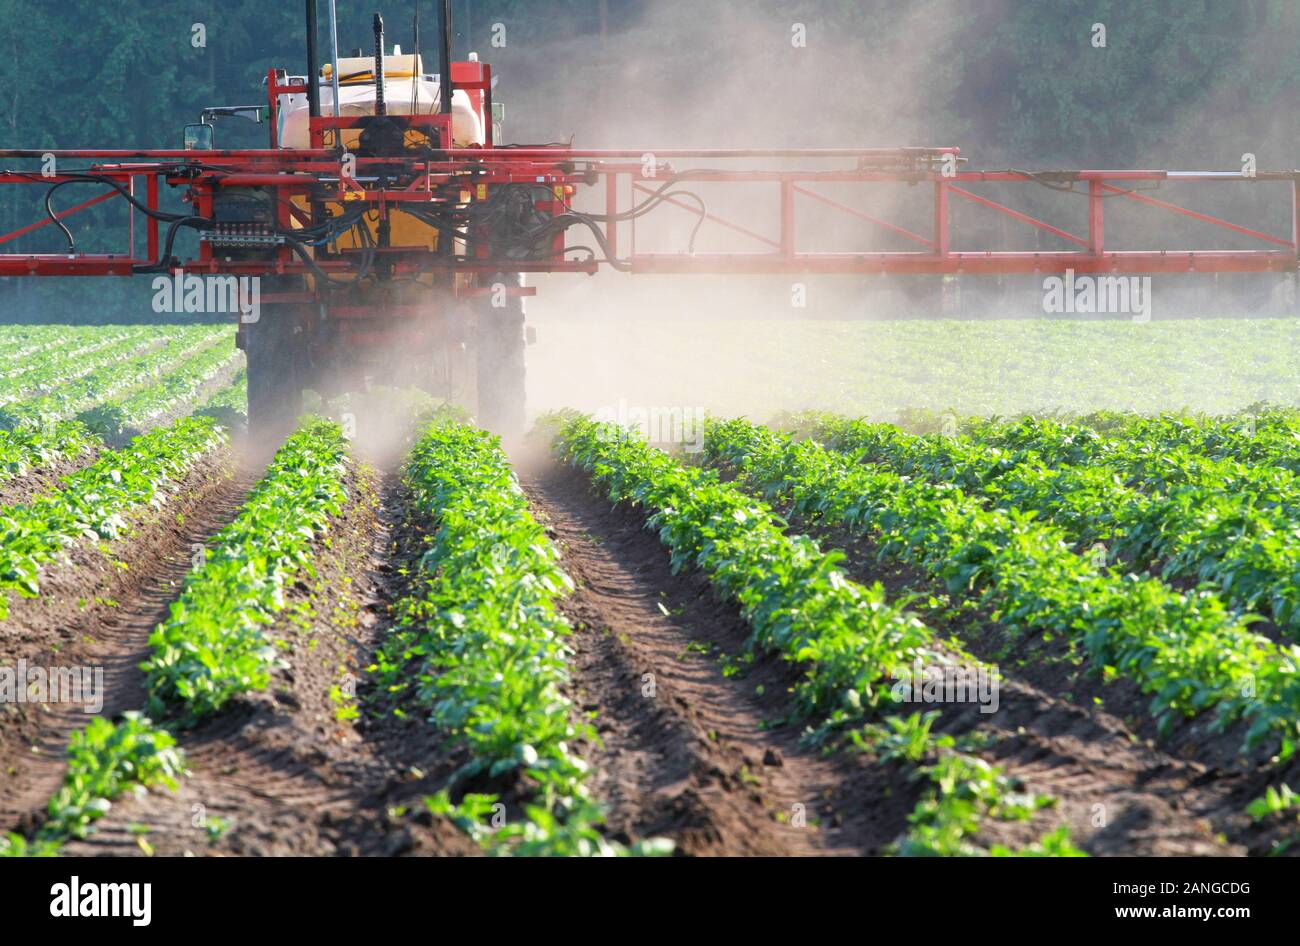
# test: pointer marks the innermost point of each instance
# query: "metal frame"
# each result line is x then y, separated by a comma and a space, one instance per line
470, 174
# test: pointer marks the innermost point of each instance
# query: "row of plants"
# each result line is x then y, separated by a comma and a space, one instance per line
47, 370
1188, 651
29, 448
19, 342
794, 596
110, 381
963, 792
848, 641
479, 645
1192, 517
98, 501
229, 405
1254, 452
179, 386
1149, 451
212, 647
105, 759
1259, 434
14, 348
34, 448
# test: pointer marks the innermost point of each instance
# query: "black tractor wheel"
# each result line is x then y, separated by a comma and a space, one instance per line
274, 375
499, 341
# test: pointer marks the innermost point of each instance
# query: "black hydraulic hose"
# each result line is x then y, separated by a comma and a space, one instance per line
529, 240
119, 187
445, 89
301, 250
49, 210
163, 264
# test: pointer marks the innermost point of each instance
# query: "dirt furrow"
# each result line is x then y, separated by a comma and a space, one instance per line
38, 481
1048, 730
284, 771
98, 613
21, 490
690, 751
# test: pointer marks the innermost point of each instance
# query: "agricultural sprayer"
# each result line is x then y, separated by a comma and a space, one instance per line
392, 231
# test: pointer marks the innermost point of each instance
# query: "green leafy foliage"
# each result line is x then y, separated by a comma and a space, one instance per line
480, 645
229, 406
80, 354
1155, 499
211, 648
104, 760
22, 451
178, 386
849, 640
98, 501
1187, 650
69, 396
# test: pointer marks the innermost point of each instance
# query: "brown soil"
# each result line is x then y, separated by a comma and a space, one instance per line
1065, 732
686, 751
97, 610
21, 490
278, 773
695, 743
1119, 792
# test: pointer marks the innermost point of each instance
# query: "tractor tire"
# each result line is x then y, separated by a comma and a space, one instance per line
499, 343
274, 376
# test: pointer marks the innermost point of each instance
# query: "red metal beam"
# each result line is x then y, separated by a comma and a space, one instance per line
62, 215
1017, 215
1096, 219
1123, 263
1195, 215
63, 265
942, 230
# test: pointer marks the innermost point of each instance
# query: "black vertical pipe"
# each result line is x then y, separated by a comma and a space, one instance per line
381, 107
313, 71
416, 70
444, 40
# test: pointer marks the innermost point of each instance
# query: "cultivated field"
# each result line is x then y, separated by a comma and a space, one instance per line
960, 633
877, 369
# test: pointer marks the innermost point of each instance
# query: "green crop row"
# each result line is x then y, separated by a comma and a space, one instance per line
1186, 650
964, 792
1261, 434
229, 406
210, 638
849, 642
178, 386
104, 760
794, 596
98, 501
50, 369
33, 448
108, 382
1247, 453
211, 648
479, 645
19, 342
1211, 520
